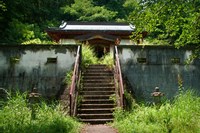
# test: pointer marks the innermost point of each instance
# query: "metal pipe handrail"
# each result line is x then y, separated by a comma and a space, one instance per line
73, 87
118, 76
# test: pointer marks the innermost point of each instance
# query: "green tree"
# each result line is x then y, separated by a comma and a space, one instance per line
113, 5
173, 21
2, 10
30, 15
19, 32
2, 6
85, 10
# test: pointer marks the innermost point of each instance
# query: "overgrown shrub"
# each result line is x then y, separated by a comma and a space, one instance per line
181, 116
107, 60
68, 77
88, 56
15, 117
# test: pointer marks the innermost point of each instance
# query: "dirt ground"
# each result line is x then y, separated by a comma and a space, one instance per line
98, 129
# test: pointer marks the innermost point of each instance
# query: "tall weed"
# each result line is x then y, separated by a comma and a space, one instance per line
107, 60
181, 116
15, 117
88, 56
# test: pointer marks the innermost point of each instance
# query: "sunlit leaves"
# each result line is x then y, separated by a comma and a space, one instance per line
171, 20
85, 10
2, 6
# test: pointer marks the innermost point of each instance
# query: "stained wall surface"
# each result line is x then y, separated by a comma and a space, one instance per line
148, 67
23, 67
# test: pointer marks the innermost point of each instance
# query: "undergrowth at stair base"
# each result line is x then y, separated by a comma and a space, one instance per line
68, 77
15, 117
79, 100
129, 101
179, 116
113, 98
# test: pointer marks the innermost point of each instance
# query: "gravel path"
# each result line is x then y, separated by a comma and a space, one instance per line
98, 129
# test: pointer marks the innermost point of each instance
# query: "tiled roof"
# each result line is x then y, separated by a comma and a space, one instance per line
96, 26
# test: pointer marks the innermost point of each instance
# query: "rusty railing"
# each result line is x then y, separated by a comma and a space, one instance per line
118, 79
75, 83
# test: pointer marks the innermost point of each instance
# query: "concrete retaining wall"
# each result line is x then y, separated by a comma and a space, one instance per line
147, 67
42, 66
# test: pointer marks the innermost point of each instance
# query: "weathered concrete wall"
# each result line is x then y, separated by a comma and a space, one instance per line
25, 66
159, 70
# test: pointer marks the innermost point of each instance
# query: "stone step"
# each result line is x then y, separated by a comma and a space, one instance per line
96, 97
105, 88
108, 92
96, 116
92, 106
95, 110
98, 81
97, 101
97, 74
98, 78
96, 121
97, 69
97, 66
98, 85
101, 77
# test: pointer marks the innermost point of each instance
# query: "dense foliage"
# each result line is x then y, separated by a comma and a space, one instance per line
171, 22
85, 10
181, 116
15, 117
23, 21
89, 57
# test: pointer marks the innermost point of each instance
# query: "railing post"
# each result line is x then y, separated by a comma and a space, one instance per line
119, 78
73, 86
70, 105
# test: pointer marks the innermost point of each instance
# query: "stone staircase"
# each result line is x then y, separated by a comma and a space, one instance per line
96, 107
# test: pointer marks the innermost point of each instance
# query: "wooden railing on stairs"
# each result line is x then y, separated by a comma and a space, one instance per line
75, 83
118, 78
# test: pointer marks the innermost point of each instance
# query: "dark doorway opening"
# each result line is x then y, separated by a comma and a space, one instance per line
101, 50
